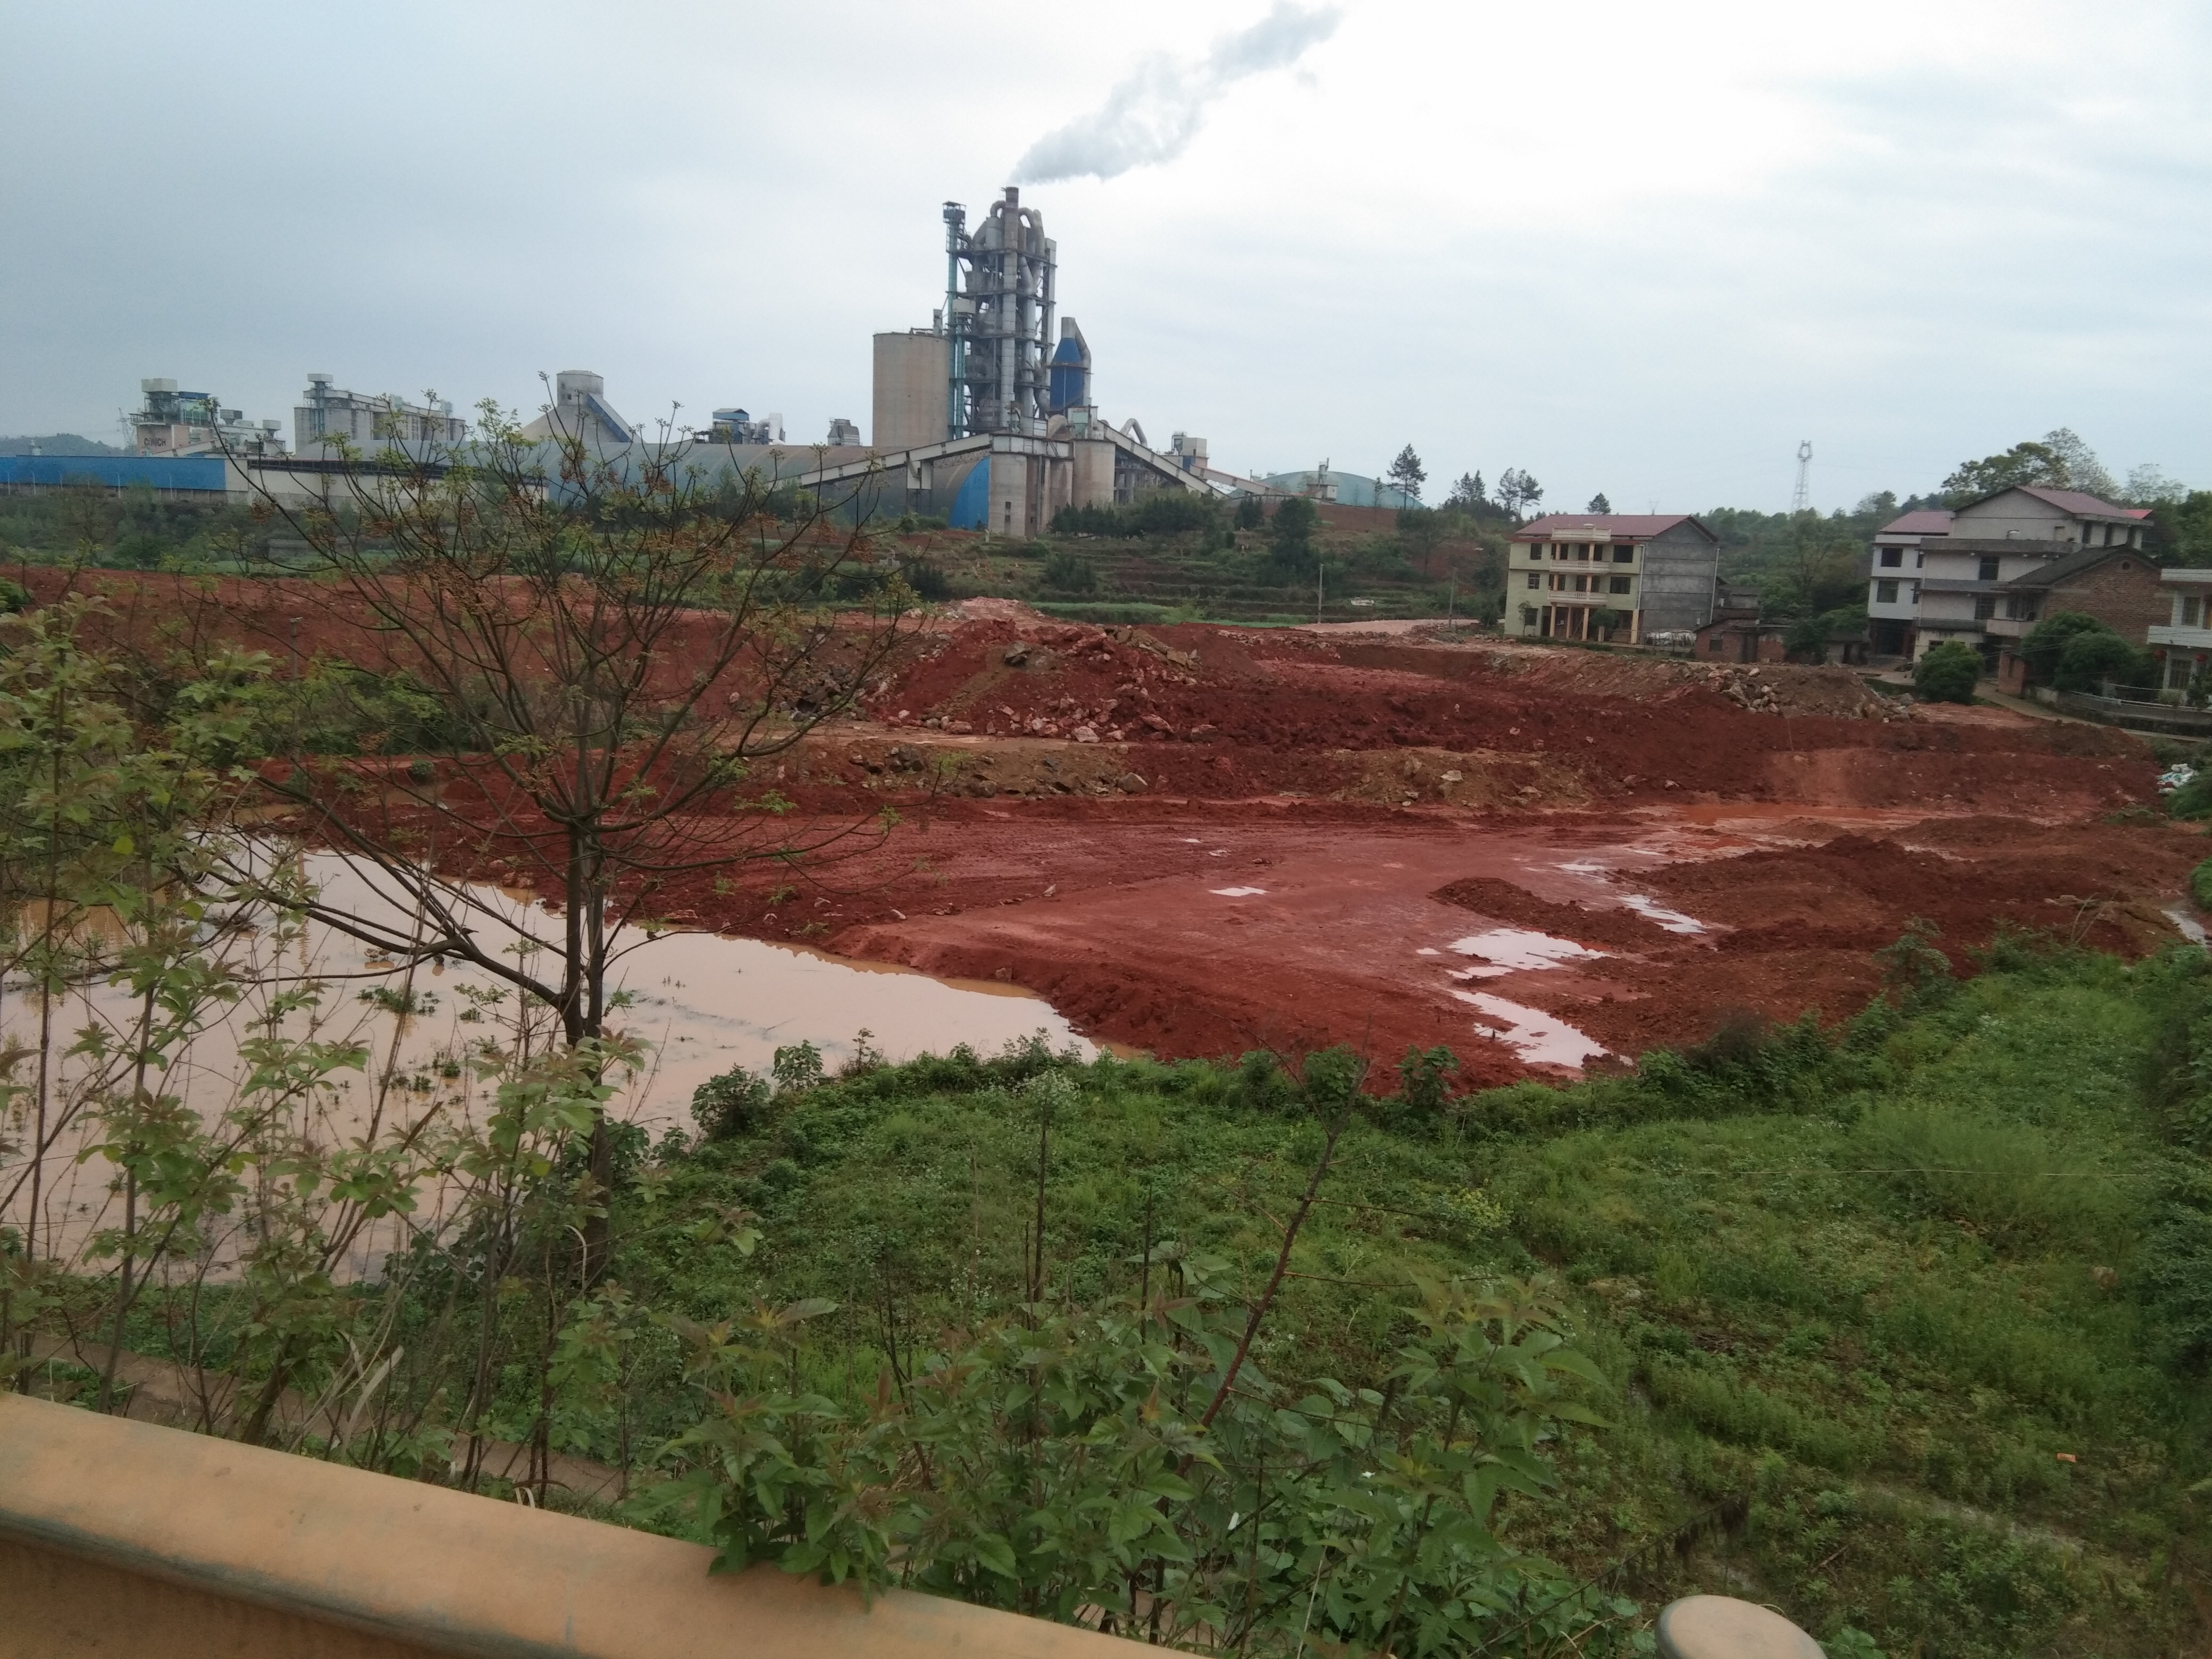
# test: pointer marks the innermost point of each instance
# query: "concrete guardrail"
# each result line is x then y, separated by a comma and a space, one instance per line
127, 1538
123, 1538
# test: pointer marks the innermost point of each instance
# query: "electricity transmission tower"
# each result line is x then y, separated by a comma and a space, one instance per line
1801, 499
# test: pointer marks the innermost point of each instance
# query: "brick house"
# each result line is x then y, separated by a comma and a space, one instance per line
1736, 635
1615, 576
2116, 584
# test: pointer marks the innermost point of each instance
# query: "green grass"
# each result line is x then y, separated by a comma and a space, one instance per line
1862, 1294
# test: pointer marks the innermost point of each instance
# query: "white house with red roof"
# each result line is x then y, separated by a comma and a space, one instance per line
1941, 575
1620, 577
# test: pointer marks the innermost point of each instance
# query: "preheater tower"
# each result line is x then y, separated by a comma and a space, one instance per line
998, 313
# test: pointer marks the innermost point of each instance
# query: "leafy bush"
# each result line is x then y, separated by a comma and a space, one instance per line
927, 577
1947, 673
1066, 571
2089, 659
2200, 879
733, 1104
2047, 642
1251, 513
1164, 511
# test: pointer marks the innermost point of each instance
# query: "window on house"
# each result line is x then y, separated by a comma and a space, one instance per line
1582, 582
1985, 606
1988, 572
1622, 584
1885, 593
1892, 558
1581, 549
1536, 579
2192, 613
1624, 555
1918, 560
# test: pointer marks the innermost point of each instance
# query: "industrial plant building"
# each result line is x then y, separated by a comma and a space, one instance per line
172, 423
986, 419
328, 421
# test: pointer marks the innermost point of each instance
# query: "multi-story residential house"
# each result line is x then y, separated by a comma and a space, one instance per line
1939, 576
1620, 577
2182, 642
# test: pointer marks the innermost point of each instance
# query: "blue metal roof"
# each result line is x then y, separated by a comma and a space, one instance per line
116, 472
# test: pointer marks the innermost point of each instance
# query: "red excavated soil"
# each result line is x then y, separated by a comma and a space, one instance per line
1201, 839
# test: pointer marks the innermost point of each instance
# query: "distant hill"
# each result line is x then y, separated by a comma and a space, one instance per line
59, 443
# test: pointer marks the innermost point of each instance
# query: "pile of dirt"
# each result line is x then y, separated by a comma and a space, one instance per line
1855, 893
1585, 924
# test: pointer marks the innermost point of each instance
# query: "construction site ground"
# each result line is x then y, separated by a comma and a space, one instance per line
1202, 840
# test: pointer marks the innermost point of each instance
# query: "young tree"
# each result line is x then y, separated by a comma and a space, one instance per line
1291, 531
1467, 494
1599, 504
1822, 568
1517, 492
1407, 472
603, 649
1421, 530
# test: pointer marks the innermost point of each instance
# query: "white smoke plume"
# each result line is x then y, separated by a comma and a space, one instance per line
1155, 111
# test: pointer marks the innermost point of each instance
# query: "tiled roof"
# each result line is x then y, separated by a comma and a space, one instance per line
2058, 570
2080, 504
1612, 523
1925, 522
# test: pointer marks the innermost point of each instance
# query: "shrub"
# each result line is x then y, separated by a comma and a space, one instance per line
2193, 800
927, 579
1948, 673
1251, 512
2047, 640
2089, 659
2200, 879
1068, 572
730, 1105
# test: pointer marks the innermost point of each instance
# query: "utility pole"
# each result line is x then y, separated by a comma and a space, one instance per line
1801, 499
1320, 565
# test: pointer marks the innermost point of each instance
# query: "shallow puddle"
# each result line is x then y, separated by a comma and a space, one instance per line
1651, 910
1540, 1039
1510, 950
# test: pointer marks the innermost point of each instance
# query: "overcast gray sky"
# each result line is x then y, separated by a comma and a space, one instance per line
1636, 248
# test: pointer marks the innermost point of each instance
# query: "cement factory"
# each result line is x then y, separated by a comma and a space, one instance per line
984, 419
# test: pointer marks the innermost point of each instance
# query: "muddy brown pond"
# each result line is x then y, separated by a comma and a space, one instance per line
699, 1004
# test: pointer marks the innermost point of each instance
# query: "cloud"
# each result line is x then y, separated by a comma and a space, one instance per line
1155, 111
